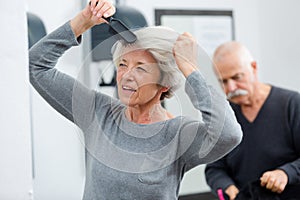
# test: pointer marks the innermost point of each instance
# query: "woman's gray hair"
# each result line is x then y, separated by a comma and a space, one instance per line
159, 42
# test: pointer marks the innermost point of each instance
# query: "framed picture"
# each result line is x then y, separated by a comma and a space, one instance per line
209, 27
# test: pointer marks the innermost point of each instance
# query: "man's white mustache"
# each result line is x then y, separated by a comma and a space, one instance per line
238, 92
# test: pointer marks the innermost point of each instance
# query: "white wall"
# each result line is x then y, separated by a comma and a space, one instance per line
15, 134
269, 28
279, 33
58, 150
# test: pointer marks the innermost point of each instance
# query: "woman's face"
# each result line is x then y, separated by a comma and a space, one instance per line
137, 76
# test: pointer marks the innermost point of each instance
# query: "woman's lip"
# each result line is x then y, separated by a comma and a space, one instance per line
127, 91
127, 88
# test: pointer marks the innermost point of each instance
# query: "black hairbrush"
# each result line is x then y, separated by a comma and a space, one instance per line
121, 29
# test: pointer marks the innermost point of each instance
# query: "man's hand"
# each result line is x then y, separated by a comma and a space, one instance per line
275, 180
232, 191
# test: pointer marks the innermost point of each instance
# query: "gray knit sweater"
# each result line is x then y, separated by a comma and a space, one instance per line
125, 160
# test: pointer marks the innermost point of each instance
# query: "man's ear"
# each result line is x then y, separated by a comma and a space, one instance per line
254, 66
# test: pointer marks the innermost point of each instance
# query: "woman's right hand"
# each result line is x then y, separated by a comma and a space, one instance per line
93, 14
96, 10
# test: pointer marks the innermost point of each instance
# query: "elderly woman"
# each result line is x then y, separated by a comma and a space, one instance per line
135, 148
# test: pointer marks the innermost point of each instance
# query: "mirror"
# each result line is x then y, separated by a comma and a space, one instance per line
210, 28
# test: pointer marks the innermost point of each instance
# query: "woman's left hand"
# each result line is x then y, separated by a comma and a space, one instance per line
185, 52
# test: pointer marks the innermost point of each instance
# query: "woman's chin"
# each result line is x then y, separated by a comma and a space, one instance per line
126, 101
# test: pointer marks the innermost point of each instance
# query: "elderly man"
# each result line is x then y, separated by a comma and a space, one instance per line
270, 119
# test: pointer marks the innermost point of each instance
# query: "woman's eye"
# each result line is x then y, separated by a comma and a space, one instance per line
141, 69
122, 65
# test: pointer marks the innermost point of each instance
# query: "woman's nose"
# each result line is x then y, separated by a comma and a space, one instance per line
129, 74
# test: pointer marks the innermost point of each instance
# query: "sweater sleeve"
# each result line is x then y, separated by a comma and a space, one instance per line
218, 130
55, 87
293, 109
216, 175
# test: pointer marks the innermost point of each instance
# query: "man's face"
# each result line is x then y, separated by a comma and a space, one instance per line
237, 79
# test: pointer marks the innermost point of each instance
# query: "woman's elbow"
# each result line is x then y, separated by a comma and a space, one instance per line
236, 136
